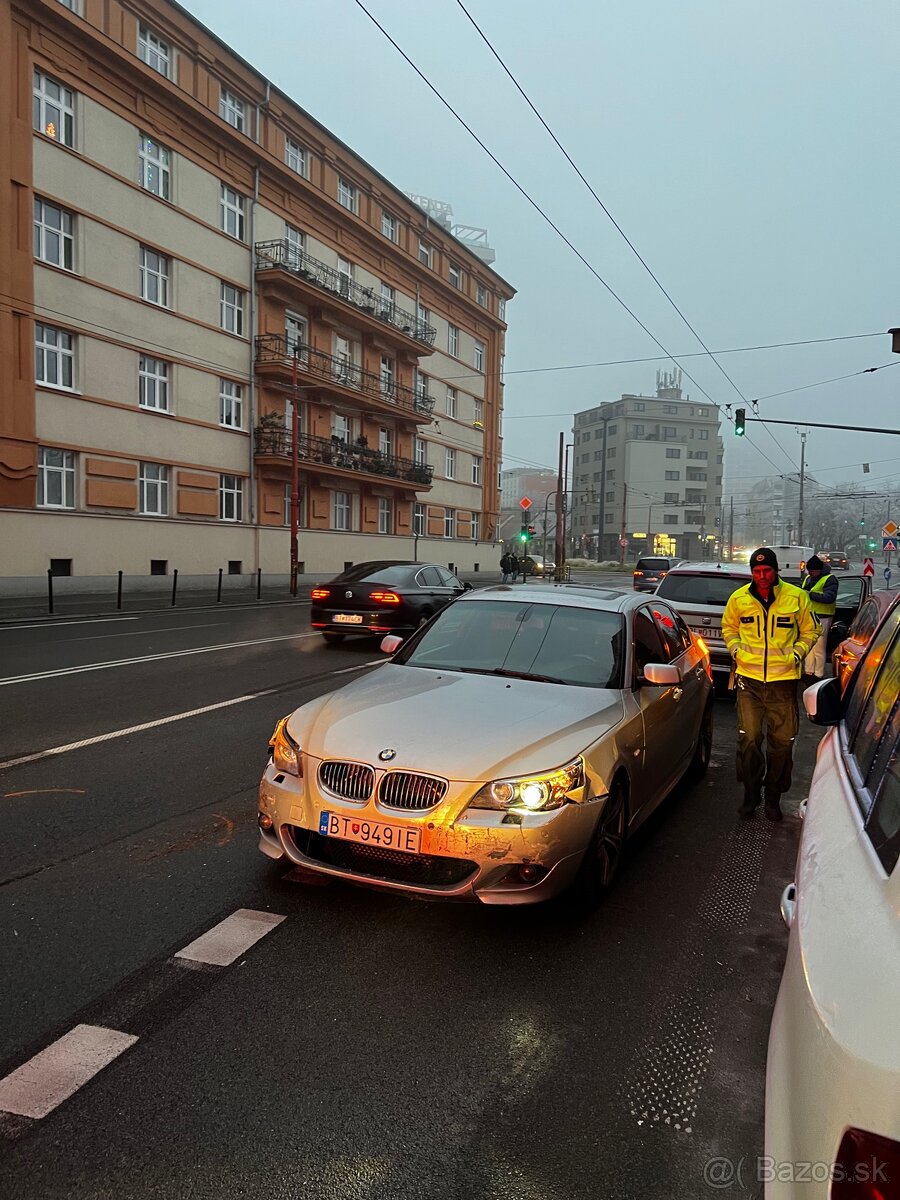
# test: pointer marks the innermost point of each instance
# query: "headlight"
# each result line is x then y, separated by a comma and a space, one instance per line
535, 793
285, 751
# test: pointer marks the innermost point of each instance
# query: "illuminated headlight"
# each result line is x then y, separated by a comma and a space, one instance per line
285, 751
535, 793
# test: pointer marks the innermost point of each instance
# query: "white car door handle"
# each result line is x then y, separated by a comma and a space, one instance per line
789, 904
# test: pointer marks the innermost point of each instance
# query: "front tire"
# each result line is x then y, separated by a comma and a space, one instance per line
604, 853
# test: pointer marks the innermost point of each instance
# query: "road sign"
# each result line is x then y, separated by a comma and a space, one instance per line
890, 543
890, 529
868, 566
524, 504
623, 542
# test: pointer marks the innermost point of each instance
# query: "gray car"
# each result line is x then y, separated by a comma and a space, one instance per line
504, 753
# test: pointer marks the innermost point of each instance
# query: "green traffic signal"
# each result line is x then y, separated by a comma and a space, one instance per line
524, 535
740, 421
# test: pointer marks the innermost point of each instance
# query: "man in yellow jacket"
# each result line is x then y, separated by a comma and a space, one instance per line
769, 628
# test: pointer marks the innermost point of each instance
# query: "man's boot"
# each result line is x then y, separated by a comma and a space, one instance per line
748, 805
773, 808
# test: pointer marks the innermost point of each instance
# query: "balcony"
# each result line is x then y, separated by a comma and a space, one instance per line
274, 356
302, 267
273, 444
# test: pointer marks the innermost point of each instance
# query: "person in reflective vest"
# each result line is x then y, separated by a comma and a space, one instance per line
769, 628
822, 588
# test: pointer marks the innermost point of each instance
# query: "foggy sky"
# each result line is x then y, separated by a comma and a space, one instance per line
748, 151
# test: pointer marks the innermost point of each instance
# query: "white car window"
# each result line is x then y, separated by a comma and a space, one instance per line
869, 706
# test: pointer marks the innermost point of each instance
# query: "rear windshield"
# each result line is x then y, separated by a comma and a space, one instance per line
396, 573
699, 589
653, 564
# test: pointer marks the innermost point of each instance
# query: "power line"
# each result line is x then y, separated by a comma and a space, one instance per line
823, 382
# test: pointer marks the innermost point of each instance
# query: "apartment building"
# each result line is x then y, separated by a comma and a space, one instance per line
648, 469
187, 256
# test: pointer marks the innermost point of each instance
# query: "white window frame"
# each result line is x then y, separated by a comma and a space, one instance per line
231, 498
449, 462
155, 172
231, 404
455, 275
476, 527
296, 244
420, 452
481, 295
231, 308
449, 522
57, 232
453, 340
154, 378
422, 313
54, 357
452, 401
389, 225
232, 109
347, 194
386, 442
153, 490
388, 376
61, 473
72, 5
425, 253
476, 470
418, 519
154, 51
478, 418
478, 352
501, 309
155, 271
231, 212
347, 272
341, 511
53, 104
296, 157
385, 515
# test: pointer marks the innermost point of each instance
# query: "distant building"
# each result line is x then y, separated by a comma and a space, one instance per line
662, 486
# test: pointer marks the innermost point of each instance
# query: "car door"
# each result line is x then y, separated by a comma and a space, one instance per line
852, 591
678, 643
429, 594
661, 712
450, 586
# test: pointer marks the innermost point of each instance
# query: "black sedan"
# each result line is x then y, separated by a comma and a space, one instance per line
382, 597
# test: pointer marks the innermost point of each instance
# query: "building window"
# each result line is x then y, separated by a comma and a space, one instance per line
479, 356
610, 475
54, 356
340, 510
386, 442
476, 469
295, 335
639, 406
56, 478
669, 432
453, 340
231, 309
451, 401
610, 452
670, 408
296, 157
231, 212
479, 413
422, 314
154, 277
387, 376
231, 403
670, 498
385, 516
481, 296
347, 195
296, 243
455, 275
703, 435
388, 299
53, 109
232, 109
449, 522
419, 520
231, 497
673, 474
346, 273
153, 383
54, 240
153, 490
450, 463
424, 253
419, 452
389, 226
672, 453
637, 431
154, 165
501, 310
670, 519
72, 5
420, 384
154, 51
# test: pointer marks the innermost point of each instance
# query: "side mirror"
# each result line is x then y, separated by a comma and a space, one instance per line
391, 643
466, 586
661, 674
822, 702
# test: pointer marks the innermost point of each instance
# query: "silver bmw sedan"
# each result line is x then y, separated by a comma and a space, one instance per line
503, 753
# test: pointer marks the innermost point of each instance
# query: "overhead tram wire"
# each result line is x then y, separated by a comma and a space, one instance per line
618, 227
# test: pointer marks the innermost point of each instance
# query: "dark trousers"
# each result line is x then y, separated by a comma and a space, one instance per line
769, 708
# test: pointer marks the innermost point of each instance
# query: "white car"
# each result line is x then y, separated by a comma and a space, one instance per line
833, 1076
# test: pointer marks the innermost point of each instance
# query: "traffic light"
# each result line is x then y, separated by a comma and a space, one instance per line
530, 532
524, 535
872, 543
740, 421
862, 522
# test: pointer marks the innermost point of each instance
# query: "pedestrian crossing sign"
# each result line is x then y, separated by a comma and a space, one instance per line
890, 543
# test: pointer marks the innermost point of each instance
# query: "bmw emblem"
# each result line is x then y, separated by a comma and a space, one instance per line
387, 755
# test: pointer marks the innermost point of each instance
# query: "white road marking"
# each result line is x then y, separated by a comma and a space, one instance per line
128, 662
231, 938
94, 637
57, 624
41, 1084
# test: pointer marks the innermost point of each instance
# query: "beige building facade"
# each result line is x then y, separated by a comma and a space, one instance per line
187, 256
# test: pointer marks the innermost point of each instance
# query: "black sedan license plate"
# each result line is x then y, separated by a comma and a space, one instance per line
347, 619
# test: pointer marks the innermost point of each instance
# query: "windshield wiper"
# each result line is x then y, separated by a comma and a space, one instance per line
504, 671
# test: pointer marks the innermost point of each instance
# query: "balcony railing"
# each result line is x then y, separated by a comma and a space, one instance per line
335, 452
291, 258
275, 348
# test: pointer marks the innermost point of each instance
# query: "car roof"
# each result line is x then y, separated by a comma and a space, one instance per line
712, 568
571, 595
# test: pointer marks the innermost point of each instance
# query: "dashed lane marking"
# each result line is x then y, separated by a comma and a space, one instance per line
227, 941
41, 1084
57, 624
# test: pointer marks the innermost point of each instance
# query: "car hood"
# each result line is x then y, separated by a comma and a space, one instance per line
464, 727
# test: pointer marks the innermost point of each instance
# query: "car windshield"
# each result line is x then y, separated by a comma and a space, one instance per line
653, 564
554, 644
393, 574
699, 589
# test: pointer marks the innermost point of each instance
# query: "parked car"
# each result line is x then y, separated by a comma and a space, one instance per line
649, 571
833, 1074
835, 559
847, 653
504, 753
700, 591
382, 597
792, 560
537, 564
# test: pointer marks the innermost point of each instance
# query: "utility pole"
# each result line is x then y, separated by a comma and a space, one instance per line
295, 472
731, 532
560, 549
624, 517
802, 480
601, 517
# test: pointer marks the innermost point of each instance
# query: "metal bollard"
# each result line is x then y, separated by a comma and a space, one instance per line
258, 582
49, 590
119, 593
174, 585
219, 590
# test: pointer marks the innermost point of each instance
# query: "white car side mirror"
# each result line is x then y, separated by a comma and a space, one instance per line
391, 643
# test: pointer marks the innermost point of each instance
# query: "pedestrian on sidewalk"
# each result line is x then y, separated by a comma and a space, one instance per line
822, 588
769, 628
506, 566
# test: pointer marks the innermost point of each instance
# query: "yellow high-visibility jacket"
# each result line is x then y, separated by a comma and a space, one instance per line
769, 646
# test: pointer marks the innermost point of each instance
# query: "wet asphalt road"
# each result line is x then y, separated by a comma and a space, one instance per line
369, 1045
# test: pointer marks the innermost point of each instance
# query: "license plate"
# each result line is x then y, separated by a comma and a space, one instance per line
347, 619
370, 833
708, 631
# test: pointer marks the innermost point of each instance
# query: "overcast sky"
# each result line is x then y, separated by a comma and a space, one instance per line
749, 152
